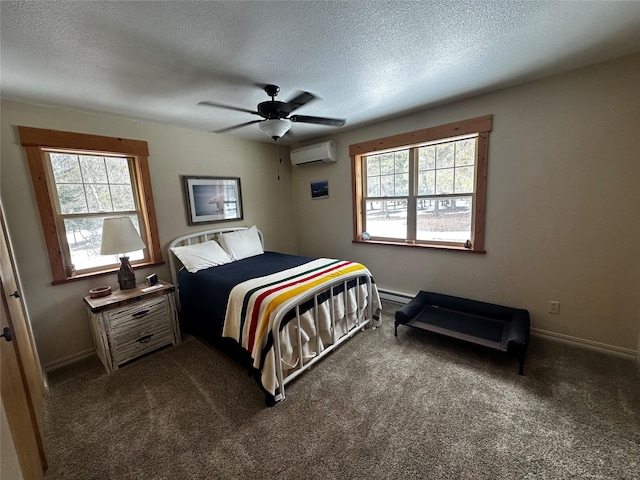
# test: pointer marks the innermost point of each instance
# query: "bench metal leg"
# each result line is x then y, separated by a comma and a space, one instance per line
521, 361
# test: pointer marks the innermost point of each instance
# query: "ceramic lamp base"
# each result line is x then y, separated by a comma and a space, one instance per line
126, 277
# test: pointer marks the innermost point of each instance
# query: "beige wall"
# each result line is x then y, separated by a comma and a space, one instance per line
563, 205
60, 324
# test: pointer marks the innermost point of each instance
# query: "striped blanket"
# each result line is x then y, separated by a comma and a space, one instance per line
253, 306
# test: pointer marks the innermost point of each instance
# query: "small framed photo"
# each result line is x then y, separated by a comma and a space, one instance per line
213, 199
320, 189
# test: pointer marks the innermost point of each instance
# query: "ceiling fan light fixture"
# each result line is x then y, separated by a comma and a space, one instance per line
276, 115
275, 127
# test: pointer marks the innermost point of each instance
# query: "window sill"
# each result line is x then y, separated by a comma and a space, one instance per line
85, 276
454, 248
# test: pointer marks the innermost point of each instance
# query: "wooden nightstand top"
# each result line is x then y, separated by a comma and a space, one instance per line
122, 297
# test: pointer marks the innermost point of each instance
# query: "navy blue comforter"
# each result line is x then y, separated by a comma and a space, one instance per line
204, 295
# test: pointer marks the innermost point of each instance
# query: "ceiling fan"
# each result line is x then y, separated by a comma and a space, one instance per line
276, 118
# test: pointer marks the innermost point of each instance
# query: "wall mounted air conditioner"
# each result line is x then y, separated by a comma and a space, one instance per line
317, 153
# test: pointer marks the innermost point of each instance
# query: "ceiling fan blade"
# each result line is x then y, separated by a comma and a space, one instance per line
299, 100
334, 122
229, 107
223, 130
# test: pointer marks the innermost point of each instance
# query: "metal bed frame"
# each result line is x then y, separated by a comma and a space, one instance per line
361, 321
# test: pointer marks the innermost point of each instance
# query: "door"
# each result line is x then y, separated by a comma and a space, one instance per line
21, 378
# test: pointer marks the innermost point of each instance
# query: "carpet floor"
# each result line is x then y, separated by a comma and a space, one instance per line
379, 407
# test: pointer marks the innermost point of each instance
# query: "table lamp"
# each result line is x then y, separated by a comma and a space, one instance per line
119, 237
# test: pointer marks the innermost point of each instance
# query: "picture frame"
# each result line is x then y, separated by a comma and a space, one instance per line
212, 199
320, 189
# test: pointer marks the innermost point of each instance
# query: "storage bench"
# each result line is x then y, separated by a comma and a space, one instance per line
494, 326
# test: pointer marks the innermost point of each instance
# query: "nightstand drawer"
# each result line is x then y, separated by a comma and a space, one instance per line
124, 318
147, 339
140, 328
135, 328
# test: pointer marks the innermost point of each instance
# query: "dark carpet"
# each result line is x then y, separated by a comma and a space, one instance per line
379, 407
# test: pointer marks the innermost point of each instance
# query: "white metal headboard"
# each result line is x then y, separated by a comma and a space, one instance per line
193, 238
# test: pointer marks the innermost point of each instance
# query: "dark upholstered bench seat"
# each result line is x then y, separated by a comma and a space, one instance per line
494, 326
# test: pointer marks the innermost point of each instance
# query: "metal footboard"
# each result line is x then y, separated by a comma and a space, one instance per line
362, 320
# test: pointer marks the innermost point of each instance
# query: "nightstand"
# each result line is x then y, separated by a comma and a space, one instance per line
130, 323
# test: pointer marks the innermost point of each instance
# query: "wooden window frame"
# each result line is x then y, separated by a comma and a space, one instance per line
37, 141
480, 126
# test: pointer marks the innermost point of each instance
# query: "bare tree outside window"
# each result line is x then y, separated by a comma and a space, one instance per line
424, 188
443, 193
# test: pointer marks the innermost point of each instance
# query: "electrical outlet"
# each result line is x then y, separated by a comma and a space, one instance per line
554, 307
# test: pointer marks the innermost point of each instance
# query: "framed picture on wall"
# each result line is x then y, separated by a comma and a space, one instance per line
320, 189
213, 199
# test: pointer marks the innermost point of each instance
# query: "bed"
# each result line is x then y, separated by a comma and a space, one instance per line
236, 295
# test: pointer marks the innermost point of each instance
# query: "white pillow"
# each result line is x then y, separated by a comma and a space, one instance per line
242, 243
201, 255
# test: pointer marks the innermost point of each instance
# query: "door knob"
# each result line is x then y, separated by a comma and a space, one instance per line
6, 333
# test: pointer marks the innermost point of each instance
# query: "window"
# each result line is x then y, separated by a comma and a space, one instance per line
80, 180
423, 188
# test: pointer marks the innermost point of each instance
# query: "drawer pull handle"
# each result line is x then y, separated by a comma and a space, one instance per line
140, 314
144, 339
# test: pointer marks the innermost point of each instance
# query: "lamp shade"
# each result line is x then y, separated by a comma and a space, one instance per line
119, 236
275, 127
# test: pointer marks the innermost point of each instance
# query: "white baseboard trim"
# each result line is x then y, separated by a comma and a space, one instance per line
63, 362
581, 342
396, 297
404, 298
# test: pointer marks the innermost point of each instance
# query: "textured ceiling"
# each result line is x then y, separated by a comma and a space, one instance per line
367, 60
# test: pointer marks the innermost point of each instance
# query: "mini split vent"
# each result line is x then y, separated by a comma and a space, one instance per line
311, 154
